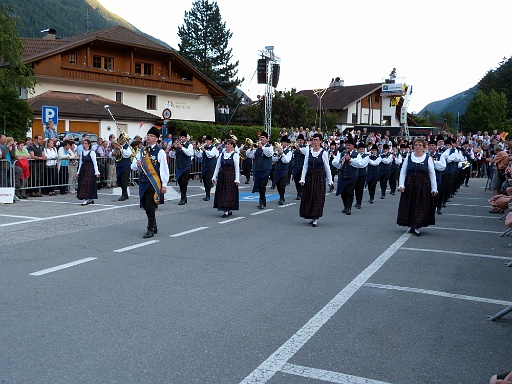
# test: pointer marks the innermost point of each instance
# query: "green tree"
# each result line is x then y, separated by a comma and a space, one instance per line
16, 112
431, 116
421, 120
448, 117
499, 79
204, 43
487, 112
291, 110
14, 73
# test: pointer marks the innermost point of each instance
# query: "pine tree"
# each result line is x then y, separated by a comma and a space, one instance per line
13, 73
204, 43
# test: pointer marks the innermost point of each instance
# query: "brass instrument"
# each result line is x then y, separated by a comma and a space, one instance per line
118, 155
277, 147
233, 137
465, 164
247, 145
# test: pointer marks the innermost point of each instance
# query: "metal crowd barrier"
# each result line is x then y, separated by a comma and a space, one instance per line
37, 176
7, 173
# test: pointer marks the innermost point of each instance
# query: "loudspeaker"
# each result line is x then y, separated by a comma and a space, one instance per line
262, 71
275, 74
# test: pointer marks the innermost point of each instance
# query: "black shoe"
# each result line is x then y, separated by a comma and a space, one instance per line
371, 201
466, 185
331, 188
225, 215
349, 211
417, 232
411, 230
314, 225
155, 230
281, 202
207, 198
261, 206
246, 181
90, 202
393, 193
297, 198
230, 213
182, 202
344, 210
443, 205
383, 196
438, 211
122, 198
149, 233
358, 206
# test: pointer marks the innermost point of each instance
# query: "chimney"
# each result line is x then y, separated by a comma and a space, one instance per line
336, 83
51, 34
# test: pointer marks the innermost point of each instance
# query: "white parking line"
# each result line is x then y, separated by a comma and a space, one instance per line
287, 205
482, 217
230, 220
457, 253
468, 205
20, 217
136, 246
328, 376
53, 269
463, 230
439, 293
279, 358
61, 216
187, 232
262, 211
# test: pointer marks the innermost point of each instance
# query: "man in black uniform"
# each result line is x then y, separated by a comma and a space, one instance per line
208, 163
151, 162
298, 157
123, 159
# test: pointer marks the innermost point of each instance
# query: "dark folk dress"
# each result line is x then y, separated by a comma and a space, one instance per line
313, 194
417, 205
226, 194
87, 185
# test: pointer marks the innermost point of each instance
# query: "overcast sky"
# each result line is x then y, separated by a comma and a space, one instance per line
441, 47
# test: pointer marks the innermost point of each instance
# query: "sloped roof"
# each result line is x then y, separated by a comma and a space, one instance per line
340, 98
37, 49
87, 106
34, 49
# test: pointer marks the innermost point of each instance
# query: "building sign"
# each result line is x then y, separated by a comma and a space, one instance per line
391, 88
176, 105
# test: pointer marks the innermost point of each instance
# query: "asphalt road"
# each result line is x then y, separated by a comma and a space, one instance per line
258, 297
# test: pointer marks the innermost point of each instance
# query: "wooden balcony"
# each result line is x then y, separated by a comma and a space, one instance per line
126, 79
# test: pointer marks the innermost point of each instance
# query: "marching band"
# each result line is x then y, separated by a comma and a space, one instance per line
358, 162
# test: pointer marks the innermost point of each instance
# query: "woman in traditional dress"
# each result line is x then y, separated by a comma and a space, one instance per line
227, 178
314, 173
87, 174
419, 187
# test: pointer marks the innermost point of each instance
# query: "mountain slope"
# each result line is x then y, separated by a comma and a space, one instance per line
455, 104
68, 17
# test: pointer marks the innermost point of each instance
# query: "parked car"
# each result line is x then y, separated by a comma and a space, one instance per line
77, 136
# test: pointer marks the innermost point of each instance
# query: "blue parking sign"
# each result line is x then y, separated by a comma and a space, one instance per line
50, 113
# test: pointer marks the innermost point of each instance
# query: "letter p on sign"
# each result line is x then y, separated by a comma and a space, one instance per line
50, 113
